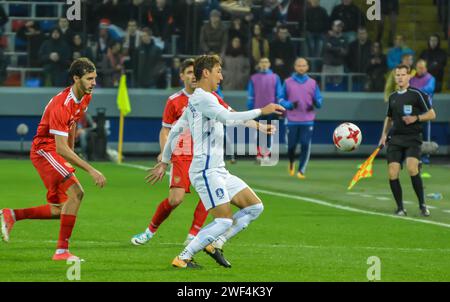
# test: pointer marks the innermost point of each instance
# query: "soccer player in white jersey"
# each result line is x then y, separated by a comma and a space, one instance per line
217, 188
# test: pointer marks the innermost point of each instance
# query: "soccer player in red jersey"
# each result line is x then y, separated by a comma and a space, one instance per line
181, 160
52, 155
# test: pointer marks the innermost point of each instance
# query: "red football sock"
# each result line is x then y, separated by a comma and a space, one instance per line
65, 232
162, 212
41, 212
200, 215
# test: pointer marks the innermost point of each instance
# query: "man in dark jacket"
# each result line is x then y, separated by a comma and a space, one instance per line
54, 56
358, 57
335, 52
436, 59
148, 61
352, 17
282, 53
213, 35
316, 27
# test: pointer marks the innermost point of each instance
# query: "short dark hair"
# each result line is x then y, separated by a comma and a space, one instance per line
205, 62
80, 67
185, 64
403, 66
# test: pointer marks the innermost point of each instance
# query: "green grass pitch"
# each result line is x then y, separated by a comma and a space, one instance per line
311, 230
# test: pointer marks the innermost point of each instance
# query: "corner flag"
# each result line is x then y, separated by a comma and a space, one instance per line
123, 104
366, 169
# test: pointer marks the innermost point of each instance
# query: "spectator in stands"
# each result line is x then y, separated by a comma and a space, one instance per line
282, 53
391, 86
316, 27
377, 68
131, 42
55, 56
187, 25
389, 8
352, 17
329, 5
238, 29
358, 58
213, 35
149, 66
138, 11
112, 65
66, 32
175, 80
396, 53
335, 52
3, 19
113, 10
160, 18
32, 34
3, 65
436, 59
103, 40
295, 12
259, 46
425, 82
236, 67
80, 49
269, 16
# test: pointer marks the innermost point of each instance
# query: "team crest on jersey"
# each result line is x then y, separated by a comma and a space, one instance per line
177, 179
219, 193
407, 109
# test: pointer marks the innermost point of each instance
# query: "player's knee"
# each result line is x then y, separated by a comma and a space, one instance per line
412, 169
79, 194
175, 201
255, 210
223, 224
393, 173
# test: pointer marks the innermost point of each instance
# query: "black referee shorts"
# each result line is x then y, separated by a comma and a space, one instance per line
397, 154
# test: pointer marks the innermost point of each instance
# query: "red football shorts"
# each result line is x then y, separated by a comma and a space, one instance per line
179, 175
56, 173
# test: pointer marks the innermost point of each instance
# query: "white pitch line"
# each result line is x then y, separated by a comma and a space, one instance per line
329, 204
367, 196
382, 198
446, 211
247, 245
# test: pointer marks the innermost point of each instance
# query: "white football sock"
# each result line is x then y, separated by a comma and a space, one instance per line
241, 220
206, 236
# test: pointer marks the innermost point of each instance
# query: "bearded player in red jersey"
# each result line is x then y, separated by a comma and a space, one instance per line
51, 152
181, 160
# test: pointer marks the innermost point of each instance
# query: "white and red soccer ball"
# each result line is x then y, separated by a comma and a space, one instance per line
347, 137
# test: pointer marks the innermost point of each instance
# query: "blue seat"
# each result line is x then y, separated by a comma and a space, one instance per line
33, 82
47, 25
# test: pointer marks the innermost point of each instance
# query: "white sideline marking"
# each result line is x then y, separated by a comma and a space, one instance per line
329, 204
383, 198
248, 245
446, 211
367, 196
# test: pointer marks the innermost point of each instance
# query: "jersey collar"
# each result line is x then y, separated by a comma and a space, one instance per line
186, 93
73, 96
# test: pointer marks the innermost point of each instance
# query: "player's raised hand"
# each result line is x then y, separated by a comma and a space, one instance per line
272, 108
156, 173
267, 128
98, 177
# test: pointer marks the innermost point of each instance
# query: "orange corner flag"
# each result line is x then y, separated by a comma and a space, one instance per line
366, 169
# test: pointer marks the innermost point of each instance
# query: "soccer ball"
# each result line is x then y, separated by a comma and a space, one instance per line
347, 137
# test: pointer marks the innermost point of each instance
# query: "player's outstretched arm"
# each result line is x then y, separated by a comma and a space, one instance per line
63, 149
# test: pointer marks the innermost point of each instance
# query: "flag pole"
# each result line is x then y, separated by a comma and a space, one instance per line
121, 126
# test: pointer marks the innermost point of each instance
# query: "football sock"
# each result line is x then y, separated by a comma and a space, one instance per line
397, 192
65, 232
41, 212
241, 220
200, 215
206, 236
162, 212
304, 157
418, 188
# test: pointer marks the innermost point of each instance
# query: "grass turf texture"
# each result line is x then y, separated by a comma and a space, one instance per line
293, 240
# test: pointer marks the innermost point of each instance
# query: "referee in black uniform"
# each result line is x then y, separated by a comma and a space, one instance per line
408, 108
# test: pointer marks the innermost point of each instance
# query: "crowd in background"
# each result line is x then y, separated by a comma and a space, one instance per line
136, 37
